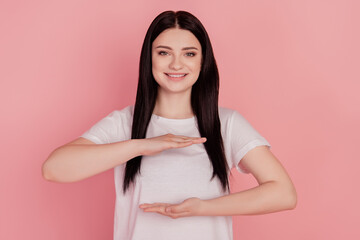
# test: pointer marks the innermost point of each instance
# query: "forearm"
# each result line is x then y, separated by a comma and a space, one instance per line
265, 198
72, 163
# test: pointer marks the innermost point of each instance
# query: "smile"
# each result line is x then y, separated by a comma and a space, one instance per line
177, 75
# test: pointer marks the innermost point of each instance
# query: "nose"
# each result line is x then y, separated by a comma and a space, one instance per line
176, 63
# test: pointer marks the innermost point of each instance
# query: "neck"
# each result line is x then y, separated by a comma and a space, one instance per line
173, 105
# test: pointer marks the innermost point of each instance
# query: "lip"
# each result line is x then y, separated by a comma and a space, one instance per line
176, 78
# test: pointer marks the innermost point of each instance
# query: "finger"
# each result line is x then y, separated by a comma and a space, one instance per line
178, 208
187, 143
199, 140
158, 209
185, 138
154, 204
181, 144
162, 210
181, 138
145, 205
178, 215
150, 204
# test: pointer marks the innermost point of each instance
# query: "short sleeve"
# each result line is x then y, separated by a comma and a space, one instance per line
106, 130
243, 138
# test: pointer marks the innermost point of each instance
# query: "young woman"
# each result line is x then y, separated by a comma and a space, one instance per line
173, 150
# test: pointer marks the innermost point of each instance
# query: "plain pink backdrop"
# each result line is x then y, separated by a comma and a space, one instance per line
290, 67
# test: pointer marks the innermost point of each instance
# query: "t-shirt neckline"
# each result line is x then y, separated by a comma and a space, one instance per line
173, 120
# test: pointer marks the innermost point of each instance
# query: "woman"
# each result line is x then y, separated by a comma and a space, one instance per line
172, 152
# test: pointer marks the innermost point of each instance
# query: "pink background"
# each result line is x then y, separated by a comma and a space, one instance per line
290, 67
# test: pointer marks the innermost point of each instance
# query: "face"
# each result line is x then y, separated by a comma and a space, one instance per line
176, 60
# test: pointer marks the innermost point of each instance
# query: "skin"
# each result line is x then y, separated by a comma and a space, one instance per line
82, 158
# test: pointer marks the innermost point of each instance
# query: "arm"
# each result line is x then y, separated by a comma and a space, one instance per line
82, 158
274, 193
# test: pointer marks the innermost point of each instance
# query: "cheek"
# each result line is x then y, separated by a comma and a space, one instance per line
155, 67
157, 64
153, 63
196, 65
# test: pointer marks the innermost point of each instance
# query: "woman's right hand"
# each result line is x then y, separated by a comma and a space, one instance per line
155, 145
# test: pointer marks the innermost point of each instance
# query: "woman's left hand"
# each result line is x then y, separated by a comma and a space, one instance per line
189, 207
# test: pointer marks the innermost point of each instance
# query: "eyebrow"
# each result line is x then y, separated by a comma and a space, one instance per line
185, 48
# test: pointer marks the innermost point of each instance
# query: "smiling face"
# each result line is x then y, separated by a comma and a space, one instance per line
176, 60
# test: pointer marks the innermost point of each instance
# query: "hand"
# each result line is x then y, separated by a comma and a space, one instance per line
190, 207
155, 145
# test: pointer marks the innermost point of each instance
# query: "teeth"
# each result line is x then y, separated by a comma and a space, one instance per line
171, 75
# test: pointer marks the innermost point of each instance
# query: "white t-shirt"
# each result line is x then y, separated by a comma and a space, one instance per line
173, 176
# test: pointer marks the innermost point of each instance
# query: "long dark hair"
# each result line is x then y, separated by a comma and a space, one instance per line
204, 95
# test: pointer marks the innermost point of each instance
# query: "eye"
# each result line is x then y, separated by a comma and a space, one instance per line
163, 53
190, 54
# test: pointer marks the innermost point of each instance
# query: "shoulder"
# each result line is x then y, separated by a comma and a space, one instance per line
125, 113
227, 114
117, 124
233, 121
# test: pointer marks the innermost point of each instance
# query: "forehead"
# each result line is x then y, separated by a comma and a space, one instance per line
177, 38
